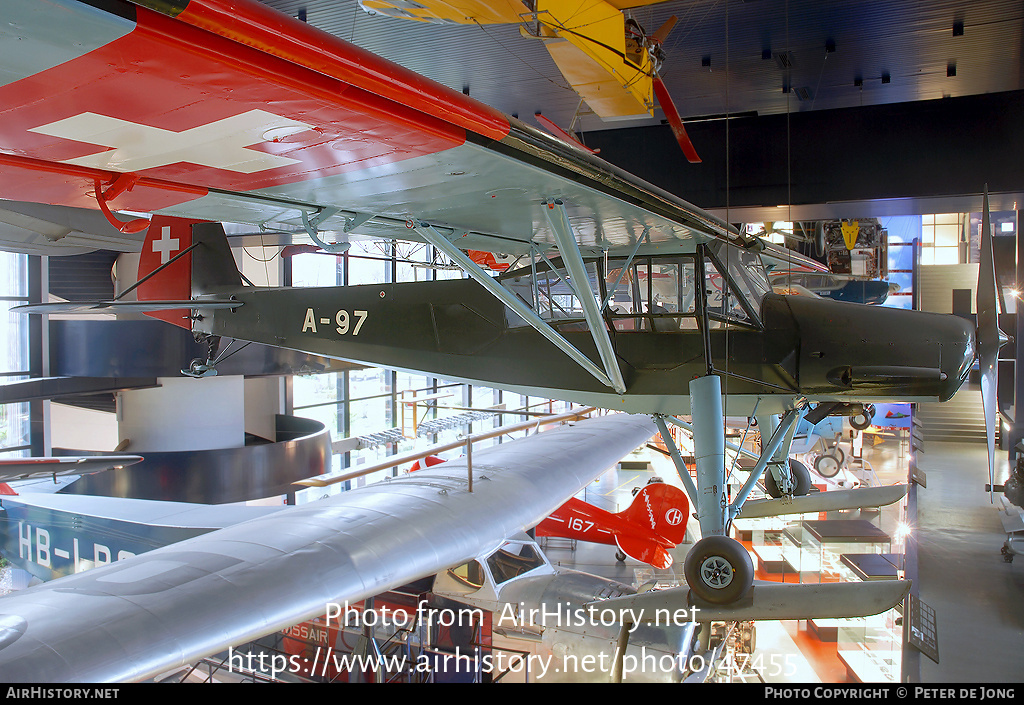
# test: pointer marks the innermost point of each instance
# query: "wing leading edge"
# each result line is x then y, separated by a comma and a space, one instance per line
139, 617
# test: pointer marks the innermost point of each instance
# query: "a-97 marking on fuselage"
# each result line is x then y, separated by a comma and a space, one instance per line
342, 319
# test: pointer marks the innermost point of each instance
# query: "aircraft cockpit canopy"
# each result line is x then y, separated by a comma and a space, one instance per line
654, 293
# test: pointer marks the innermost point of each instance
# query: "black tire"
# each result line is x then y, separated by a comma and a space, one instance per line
801, 480
719, 570
862, 420
620, 556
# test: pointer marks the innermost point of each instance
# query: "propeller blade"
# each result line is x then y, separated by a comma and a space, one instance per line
664, 30
674, 121
990, 338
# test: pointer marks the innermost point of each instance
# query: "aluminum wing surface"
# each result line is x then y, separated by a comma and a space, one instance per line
230, 111
145, 615
32, 468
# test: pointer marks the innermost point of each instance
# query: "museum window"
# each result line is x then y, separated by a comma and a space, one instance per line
941, 235
15, 438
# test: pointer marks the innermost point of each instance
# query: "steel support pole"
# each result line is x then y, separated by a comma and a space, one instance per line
471, 268
709, 449
573, 260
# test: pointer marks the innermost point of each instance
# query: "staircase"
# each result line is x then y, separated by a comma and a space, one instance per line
961, 419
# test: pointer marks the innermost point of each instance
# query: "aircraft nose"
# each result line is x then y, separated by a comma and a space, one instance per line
963, 350
881, 353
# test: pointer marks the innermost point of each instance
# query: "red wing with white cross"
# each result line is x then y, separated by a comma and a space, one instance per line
228, 111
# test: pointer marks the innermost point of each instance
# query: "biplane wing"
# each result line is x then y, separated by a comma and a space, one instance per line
32, 468
144, 615
232, 112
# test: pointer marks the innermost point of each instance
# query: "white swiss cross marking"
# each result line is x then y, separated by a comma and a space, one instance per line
166, 245
221, 144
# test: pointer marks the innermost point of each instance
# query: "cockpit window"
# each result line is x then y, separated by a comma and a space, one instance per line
656, 294
547, 292
469, 575
736, 297
512, 560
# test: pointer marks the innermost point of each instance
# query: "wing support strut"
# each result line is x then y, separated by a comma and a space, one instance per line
783, 433
430, 235
677, 459
573, 260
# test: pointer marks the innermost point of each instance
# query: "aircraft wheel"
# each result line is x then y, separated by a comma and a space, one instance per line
827, 465
719, 570
620, 556
862, 420
801, 480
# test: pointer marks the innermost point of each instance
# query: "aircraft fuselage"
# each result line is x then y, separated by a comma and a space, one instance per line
815, 348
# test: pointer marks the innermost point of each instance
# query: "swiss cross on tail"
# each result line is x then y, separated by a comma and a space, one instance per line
167, 237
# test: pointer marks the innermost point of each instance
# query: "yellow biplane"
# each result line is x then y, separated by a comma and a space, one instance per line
607, 58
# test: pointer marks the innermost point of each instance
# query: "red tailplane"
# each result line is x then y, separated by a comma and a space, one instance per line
652, 524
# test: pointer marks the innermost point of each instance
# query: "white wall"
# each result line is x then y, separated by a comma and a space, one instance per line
184, 414
82, 429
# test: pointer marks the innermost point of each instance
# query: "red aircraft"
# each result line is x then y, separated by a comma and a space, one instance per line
652, 524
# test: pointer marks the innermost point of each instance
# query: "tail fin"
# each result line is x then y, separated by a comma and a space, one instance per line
662, 508
6, 489
201, 271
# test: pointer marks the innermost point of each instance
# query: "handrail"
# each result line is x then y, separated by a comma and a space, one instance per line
410, 457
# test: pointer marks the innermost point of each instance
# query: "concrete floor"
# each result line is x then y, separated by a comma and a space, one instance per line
978, 598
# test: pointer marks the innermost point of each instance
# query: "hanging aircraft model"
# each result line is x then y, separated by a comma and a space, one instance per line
652, 525
633, 299
59, 466
606, 56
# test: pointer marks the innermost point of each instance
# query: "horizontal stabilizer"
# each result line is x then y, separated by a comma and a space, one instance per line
125, 306
29, 468
766, 601
645, 551
837, 500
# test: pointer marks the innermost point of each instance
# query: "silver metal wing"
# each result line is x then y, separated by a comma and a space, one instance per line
137, 618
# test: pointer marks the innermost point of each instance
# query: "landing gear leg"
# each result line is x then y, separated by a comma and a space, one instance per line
718, 568
198, 368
